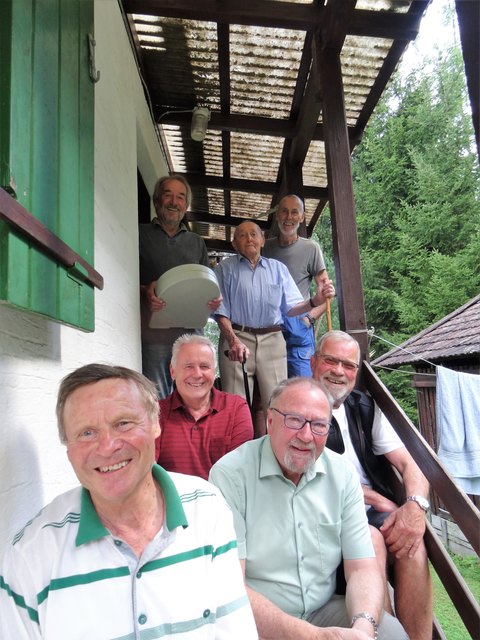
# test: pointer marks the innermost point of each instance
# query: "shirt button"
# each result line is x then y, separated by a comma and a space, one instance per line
118, 543
206, 613
299, 525
142, 619
139, 574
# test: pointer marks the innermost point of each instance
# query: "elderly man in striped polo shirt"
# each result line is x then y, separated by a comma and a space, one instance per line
135, 552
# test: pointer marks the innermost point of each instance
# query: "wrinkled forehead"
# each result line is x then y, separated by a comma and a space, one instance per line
290, 202
247, 228
346, 349
299, 397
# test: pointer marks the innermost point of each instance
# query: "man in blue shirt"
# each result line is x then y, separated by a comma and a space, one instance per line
256, 293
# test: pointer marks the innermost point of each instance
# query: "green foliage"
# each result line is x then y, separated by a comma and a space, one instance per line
417, 184
444, 610
417, 197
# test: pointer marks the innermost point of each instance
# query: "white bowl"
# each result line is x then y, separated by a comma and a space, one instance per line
186, 290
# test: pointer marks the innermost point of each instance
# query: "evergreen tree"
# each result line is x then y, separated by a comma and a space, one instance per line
416, 182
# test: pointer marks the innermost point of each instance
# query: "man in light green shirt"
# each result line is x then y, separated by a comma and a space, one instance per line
298, 510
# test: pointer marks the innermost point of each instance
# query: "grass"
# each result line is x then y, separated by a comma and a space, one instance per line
444, 610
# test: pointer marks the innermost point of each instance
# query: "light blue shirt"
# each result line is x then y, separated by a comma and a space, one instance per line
255, 297
293, 536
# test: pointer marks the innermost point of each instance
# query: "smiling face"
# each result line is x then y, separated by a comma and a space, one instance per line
171, 204
296, 451
290, 215
194, 372
110, 441
248, 240
337, 379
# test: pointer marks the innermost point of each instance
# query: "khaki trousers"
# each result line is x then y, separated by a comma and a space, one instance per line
267, 363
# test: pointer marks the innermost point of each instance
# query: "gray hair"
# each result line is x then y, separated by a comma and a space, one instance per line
95, 372
192, 338
244, 222
292, 195
337, 336
158, 190
300, 380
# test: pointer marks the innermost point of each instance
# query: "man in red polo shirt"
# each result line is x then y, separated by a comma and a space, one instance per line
199, 424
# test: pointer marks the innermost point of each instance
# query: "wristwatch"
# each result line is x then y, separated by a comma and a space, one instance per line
422, 502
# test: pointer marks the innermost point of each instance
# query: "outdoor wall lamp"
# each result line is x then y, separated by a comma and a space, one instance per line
200, 118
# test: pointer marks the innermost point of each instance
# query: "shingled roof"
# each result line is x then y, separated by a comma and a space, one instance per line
455, 336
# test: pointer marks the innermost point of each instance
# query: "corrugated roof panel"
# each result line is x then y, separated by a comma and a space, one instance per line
310, 208
187, 71
361, 59
263, 67
180, 62
255, 157
314, 168
250, 205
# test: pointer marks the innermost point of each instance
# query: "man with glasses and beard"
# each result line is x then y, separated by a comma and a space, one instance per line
298, 510
362, 433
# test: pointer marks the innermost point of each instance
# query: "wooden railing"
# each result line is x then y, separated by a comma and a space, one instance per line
461, 508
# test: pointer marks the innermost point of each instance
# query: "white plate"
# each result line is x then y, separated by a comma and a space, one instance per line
186, 290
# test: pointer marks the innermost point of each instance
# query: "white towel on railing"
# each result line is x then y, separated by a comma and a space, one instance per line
458, 426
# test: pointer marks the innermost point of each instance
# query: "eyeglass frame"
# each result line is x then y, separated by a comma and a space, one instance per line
347, 365
296, 415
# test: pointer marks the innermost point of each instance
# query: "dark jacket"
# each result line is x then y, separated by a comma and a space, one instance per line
360, 411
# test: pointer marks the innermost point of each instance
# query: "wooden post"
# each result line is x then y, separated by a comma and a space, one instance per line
344, 228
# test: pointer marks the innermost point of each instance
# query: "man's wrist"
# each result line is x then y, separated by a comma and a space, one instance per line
369, 618
421, 501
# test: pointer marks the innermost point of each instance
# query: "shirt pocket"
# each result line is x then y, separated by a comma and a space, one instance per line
272, 298
329, 545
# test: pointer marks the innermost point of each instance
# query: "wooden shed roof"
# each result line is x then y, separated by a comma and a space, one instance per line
251, 64
455, 336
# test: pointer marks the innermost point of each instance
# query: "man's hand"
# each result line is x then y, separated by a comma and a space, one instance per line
403, 530
238, 351
326, 290
154, 303
214, 303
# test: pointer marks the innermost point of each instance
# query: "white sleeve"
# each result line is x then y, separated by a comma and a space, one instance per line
234, 616
384, 436
18, 600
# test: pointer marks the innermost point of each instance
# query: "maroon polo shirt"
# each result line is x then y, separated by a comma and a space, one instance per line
192, 446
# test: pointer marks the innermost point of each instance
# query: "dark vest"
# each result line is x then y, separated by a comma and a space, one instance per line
360, 411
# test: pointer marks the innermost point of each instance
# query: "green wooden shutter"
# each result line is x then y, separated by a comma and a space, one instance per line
46, 154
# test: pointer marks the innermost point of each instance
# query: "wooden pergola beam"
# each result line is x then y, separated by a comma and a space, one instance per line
344, 228
279, 15
251, 186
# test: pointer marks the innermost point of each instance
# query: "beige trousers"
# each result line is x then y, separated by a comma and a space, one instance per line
267, 363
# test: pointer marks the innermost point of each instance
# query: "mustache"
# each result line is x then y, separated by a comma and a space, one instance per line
172, 207
302, 445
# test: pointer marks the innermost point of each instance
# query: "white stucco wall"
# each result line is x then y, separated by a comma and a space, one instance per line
36, 353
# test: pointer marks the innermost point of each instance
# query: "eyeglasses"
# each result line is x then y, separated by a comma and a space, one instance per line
296, 422
348, 365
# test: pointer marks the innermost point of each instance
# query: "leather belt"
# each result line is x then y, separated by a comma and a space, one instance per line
260, 331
